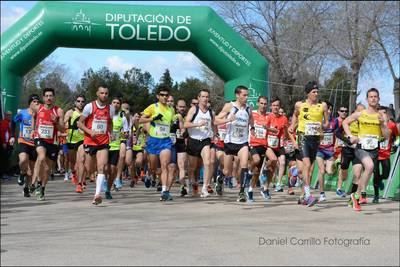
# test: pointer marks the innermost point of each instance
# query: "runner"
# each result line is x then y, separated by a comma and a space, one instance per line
96, 122
48, 118
277, 126
74, 140
120, 128
200, 127
325, 154
27, 153
238, 116
385, 148
159, 143
309, 115
372, 126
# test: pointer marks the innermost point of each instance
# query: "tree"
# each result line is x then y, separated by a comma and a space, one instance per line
348, 28
62, 90
337, 88
285, 32
216, 87
189, 89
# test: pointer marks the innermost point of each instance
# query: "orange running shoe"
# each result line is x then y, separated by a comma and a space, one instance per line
363, 200
74, 180
78, 188
356, 205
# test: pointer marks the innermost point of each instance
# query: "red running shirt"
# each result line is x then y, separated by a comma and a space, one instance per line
99, 121
280, 123
46, 123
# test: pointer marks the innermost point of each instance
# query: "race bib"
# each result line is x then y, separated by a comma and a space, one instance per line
162, 130
273, 141
179, 134
204, 128
222, 134
99, 126
312, 128
340, 142
260, 131
115, 135
26, 132
238, 132
327, 140
369, 142
173, 138
46, 131
384, 145
289, 148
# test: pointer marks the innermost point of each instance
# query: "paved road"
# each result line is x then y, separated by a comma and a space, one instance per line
136, 229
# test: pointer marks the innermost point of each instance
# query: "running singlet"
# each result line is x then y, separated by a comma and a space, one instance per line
120, 125
160, 128
25, 126
221, 135
386, 146
369, 132
328, 139
138, 138
45, 124
260, 122
310, 119
202, 132
237, 132
75, 134
279, 123
98, 120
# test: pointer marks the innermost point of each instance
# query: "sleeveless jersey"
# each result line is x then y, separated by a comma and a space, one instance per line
237, 132
75, 135
260, 122
369, 132
45, 124
98, 121
205, 131
25, 126
310, 119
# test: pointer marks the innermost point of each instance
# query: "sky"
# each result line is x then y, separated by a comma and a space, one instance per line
180, 64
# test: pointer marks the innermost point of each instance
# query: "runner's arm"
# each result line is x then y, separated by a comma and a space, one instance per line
221, 118
346, 122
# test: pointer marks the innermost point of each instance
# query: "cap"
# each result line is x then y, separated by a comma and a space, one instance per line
310, 86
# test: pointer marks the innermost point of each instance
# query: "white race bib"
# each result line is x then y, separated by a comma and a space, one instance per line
173, 138
369, 142
340, 142
162, 130
238, 132
312, 128
327, 140
260, 131
273, 141
99, 126
384, 145
289, 148
46, 131
26, 132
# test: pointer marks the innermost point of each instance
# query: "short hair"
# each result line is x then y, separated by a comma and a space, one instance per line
203, 90
383, 108
274, 99
262, 97
103, 86
373, 90
240, 88
80, 96
329, 104
33, 97
48, 89
162, 88
117, 98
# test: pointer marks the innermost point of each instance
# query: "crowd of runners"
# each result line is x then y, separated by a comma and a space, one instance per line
105, 143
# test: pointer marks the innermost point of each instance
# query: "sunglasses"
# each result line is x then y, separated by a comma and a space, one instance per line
194, 103
343, 110
163, 95
80, 101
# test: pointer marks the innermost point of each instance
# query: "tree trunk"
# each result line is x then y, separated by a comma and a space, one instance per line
396, 93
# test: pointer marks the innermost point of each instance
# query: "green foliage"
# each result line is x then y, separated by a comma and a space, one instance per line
338, 86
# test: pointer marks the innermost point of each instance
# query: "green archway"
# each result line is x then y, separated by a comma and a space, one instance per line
130, 27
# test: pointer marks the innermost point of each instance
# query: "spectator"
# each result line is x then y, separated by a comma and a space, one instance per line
6, 142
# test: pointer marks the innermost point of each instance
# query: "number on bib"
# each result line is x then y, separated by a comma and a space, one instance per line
312, 128
26, 132
273, 141
369, 142
99, 126
46, 131
260, 131
238, 132
162, 130
384, 145
327, 140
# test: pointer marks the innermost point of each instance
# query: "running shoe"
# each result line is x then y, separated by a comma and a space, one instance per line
311, 201
218, 189
250, 196
118, 184
354, 198
66, 176
26, 192
159, 187
381, 185
350, 203
78, 188
108, 195
278, 188
153, 183
375, 200
97, 200
41, 197
164, 196
340, 193
147, 182
322, 197
32, 189
183, 191
209, 189
290, 191
38, 190
21, 179
363, 200
204, 193
74, 179
169, 196
265, 194
242, 197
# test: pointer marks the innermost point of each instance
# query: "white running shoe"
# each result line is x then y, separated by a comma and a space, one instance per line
322, 198
204, 192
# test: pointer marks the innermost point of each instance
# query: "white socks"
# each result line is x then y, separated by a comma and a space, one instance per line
306, 191
99, 183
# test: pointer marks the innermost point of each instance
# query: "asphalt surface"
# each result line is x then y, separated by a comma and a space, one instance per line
135, 228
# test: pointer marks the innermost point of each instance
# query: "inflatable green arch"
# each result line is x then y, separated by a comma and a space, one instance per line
130, 27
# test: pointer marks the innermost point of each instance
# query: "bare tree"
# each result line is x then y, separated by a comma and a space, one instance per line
348, 28
285, 32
